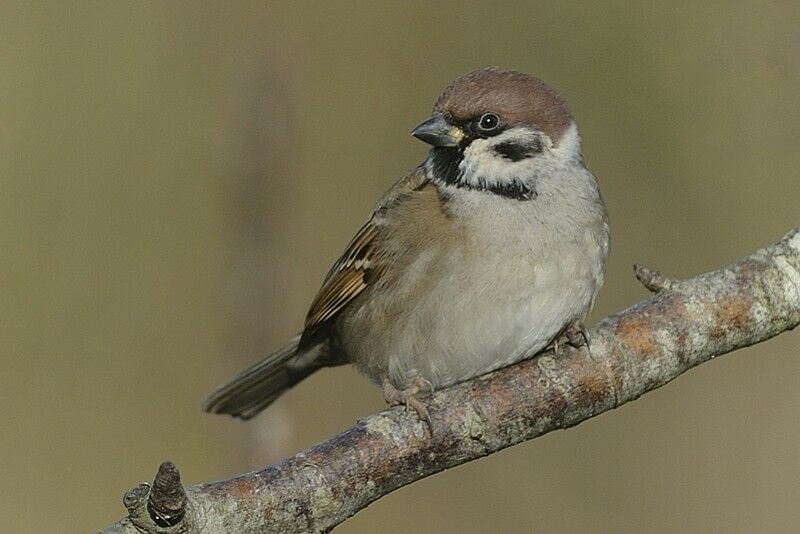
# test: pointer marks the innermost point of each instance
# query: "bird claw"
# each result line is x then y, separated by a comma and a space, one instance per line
556, 352
577, 335
408, 397
574, 335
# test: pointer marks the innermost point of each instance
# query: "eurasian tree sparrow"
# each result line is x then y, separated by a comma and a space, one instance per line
484, 255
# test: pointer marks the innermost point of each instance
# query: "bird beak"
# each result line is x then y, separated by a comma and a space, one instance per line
437, 131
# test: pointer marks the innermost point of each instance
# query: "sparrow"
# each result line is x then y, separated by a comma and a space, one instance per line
490, 251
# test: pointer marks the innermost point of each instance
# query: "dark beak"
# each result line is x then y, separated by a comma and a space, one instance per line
437, 131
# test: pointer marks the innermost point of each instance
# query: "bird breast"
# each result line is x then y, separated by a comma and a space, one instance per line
469, 288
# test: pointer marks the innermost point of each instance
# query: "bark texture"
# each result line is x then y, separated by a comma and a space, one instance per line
683, 324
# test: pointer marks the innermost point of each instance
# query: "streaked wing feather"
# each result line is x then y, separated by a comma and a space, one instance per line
346, 279
356, 268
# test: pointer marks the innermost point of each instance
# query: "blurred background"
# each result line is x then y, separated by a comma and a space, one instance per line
176, 178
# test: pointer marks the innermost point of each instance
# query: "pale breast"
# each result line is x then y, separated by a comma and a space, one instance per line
466, 295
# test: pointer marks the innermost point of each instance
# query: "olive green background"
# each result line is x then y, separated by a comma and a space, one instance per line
176, 178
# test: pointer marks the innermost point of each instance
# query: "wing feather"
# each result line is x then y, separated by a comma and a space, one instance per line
357, 268
346, 279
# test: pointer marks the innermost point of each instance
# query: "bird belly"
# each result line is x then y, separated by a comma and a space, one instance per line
483, 314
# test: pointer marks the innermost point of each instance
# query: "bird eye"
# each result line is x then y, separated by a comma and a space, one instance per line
488, 122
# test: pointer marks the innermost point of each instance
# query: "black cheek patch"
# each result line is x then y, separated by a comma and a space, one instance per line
516, 151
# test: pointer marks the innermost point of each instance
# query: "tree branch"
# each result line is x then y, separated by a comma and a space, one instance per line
685, 323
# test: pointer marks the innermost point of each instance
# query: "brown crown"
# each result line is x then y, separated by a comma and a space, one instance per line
516, 97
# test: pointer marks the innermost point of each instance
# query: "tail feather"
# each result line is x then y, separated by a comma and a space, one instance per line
258, 386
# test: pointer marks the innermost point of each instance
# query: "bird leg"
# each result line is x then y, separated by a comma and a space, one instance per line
408, 397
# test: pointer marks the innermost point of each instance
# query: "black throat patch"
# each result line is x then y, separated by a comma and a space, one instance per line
443, 166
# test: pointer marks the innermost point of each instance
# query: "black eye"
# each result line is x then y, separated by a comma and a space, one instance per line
489, 122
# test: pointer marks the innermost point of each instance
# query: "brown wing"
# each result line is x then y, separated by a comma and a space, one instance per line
356, 268
346, 279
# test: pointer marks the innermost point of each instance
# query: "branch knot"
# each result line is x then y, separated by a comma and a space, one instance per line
652, 279
167, 501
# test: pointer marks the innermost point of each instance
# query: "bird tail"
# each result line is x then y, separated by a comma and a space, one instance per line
258, 386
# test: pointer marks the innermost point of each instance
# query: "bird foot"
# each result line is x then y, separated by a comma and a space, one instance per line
574, 335
577, 335
408, 397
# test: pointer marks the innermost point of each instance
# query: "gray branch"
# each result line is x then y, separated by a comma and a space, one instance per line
683, 324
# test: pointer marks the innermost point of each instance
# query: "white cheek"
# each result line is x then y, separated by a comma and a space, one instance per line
481, 162
483, 165
569, 147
